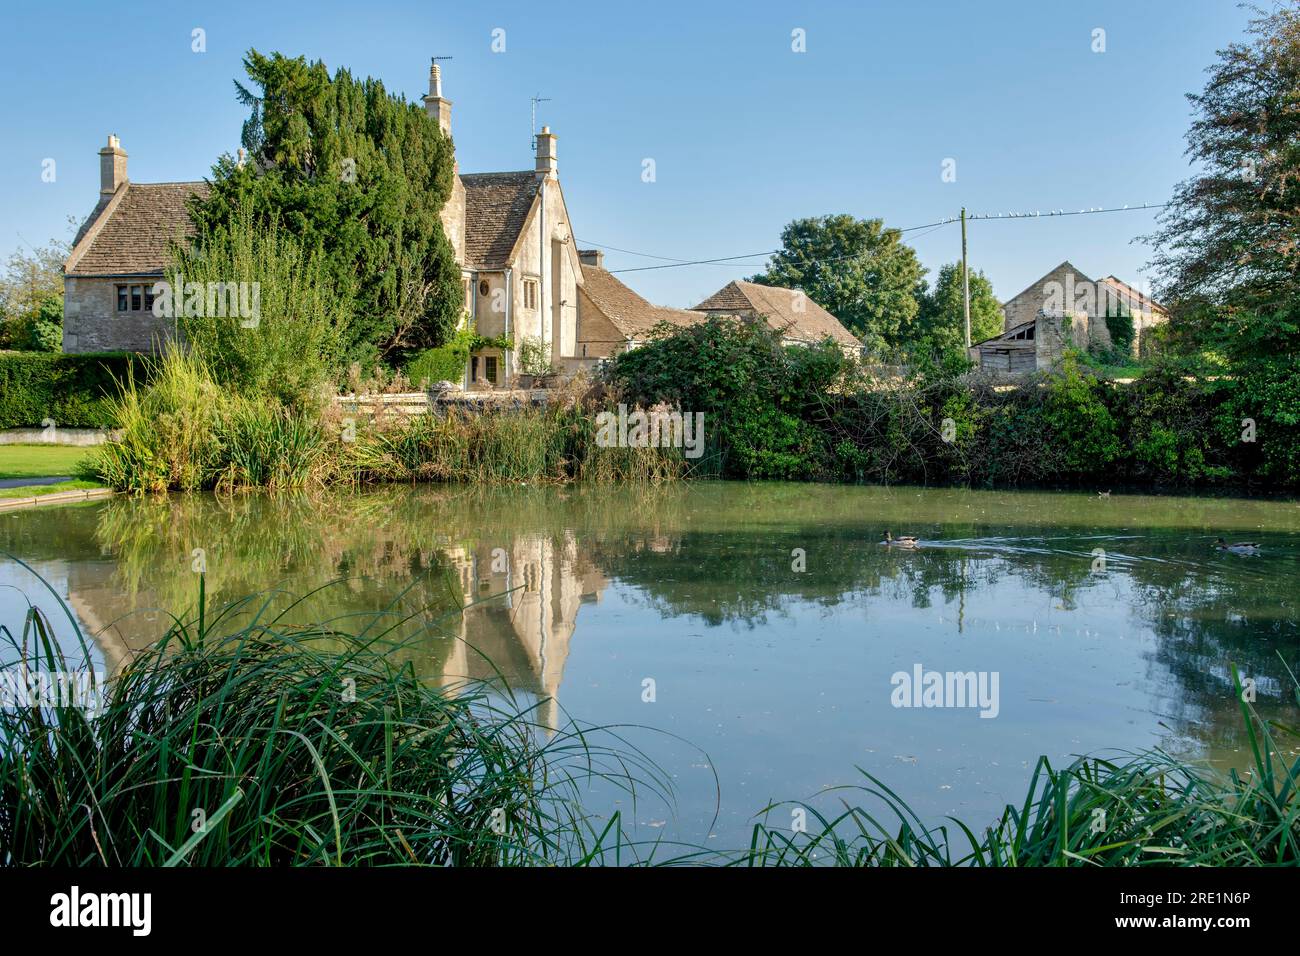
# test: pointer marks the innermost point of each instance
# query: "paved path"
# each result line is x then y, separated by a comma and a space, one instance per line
24, 482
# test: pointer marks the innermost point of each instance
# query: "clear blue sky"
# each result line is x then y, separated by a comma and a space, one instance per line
746, 134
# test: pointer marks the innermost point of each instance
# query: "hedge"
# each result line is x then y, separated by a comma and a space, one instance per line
73, 391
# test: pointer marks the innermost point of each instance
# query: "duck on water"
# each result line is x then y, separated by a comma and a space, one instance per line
902, 541
1237, 547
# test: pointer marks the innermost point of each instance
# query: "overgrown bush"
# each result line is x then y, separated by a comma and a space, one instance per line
797, 413
291, 346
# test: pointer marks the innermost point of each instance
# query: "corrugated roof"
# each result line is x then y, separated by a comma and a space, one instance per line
134, 238
631, 315
496, 209
788, 311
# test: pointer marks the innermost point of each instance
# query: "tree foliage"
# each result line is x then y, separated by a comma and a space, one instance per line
1229, 243
856, 269
31, 299
361, 174
941, 325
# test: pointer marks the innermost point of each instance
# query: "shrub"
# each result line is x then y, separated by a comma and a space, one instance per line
292, 345
445, 363
74, 391
1081, 426
535, 357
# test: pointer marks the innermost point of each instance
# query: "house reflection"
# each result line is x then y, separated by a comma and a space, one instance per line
521, 609
520, 601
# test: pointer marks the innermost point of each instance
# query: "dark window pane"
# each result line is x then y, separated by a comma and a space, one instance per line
135, 298
121, 298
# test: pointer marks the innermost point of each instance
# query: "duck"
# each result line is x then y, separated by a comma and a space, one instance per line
902, 541
1104, 494
1237, 547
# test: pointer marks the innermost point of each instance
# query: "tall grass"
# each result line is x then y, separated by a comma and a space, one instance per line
273, 746
183, 432
553, 443
168, 429
1149, 809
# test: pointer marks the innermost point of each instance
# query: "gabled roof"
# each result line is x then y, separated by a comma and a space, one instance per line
496, 211
128, 233
788, 311
1131, 296
1037, 285
632, 315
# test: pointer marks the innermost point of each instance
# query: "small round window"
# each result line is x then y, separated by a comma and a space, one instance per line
483, 287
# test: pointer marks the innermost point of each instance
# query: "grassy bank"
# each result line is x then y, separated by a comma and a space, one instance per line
41, 461
268, 745
19, 462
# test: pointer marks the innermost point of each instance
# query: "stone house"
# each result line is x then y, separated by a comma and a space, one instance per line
522, 273
1062, 308
519, 263
117, 256
510, 231
799, 319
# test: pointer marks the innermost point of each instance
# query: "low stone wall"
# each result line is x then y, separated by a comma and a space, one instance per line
421, 403
80, 437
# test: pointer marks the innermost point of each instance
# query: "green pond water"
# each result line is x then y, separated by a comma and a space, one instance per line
768, 621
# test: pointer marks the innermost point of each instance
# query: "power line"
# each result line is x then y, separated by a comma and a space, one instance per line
674, 263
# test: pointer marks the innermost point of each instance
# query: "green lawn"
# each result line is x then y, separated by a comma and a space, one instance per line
31, 491
39, 461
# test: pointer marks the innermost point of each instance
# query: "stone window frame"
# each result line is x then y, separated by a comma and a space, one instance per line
532, 290
125, 296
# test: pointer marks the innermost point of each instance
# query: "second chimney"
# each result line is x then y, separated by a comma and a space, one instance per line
112, 166
546, 161
434, 104
592, 257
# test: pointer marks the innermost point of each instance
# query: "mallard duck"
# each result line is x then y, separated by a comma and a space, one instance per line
1237, 547
902, 541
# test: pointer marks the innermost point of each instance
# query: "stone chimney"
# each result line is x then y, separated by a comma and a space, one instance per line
592, 257
112, 166
547, 165
434, 104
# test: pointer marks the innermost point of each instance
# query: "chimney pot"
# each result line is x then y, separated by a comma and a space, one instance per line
547, 164
592, 257
435, 104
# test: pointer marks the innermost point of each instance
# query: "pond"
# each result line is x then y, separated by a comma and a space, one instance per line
762, 632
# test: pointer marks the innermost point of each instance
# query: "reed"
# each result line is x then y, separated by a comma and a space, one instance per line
270, 745
1148, 809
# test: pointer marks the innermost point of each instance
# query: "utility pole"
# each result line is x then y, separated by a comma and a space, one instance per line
965, 277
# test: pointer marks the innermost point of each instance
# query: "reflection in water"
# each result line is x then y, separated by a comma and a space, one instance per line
781, 674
